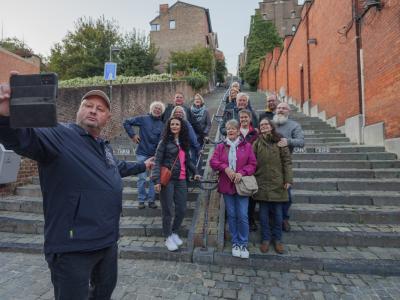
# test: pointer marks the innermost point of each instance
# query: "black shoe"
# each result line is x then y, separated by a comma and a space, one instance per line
286, 225
253, 226
141, 205
152, 205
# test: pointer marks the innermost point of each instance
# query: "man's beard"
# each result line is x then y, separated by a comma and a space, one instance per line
280, 119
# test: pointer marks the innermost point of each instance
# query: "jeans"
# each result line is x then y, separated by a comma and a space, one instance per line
236, 208
286, 205
174, 194
142, 194
71, 272
273, 209
252, 210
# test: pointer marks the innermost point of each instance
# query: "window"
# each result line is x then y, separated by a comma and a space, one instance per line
265, 16
293, 14
293, 28
155, 27
172, 24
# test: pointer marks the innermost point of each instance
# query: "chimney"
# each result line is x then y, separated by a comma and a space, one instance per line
163, 9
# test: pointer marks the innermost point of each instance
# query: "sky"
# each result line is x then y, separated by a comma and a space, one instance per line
43, 23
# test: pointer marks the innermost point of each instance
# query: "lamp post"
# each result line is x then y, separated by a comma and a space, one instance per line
112, 49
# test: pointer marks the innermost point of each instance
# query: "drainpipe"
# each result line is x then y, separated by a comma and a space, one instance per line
308, 56
360, 68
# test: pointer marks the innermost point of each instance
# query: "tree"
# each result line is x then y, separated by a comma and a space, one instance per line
137, 56
16, 46
82, 53
220, 70
263, 38
198, 59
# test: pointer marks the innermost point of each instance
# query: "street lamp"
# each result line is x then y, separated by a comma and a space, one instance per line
113, 49
116, 50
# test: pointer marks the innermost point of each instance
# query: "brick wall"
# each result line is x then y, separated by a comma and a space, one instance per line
381, 44
127, 101
191, 31
329, 67
11, 62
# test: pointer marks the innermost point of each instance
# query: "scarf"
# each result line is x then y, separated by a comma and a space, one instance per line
198, 112
232, 152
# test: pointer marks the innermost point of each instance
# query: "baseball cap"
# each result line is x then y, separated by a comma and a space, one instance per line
100, 94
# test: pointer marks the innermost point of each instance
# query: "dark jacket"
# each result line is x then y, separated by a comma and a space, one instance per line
166, 154
274, 169
251, 136
150, 133
189, 116
233, 113
266, 114
204, 122
80, 181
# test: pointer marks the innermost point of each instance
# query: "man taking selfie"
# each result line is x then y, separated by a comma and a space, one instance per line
81, 186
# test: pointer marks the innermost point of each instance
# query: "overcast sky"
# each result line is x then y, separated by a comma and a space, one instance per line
42, 23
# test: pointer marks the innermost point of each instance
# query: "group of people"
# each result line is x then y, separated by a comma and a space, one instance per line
261, 147
173, 135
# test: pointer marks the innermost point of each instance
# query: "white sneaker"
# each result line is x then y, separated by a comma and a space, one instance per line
176, 239
244, 253
169, 242
235, 251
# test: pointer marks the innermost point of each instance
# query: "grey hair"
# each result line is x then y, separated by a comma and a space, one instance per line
232, 122
240, 95
183, 110
154, 103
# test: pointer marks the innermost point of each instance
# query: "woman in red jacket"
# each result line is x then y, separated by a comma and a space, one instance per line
233, 159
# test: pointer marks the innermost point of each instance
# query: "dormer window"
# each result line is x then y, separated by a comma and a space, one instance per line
155, 27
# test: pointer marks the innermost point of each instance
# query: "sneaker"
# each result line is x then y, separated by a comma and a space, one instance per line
141, 205
264, 247
176, 239
244, 253
235, 251
152, 205
279, 247
286, 225
169, 242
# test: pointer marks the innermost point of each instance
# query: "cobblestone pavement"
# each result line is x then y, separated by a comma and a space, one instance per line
25, 276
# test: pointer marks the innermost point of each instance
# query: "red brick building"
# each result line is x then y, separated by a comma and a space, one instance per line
12, 62
343, 65
181, 27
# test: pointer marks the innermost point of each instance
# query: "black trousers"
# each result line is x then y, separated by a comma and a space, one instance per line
71, 273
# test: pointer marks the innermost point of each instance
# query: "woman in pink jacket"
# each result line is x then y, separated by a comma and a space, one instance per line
233, 159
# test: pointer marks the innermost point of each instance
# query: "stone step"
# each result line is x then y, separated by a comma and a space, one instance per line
321, 140
338, 235
382, 261
379, 198
141, 247
129, 207
347, 184
313, 134
343, 149
32, 190
362, 214
19, 222
345, 156
345, 173
353, 164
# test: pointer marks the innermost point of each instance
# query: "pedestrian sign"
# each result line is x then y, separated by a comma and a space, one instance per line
110, 71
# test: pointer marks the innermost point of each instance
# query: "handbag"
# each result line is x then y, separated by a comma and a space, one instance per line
165, 173
247, 186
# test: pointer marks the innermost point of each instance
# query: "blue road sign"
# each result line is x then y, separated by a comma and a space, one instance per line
110, 71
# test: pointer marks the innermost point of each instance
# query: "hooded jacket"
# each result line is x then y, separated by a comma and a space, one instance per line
246, 164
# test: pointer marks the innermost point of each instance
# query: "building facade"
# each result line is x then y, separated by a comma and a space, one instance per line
181, 27
285, 14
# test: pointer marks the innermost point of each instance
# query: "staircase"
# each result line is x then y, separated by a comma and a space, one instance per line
345, 215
